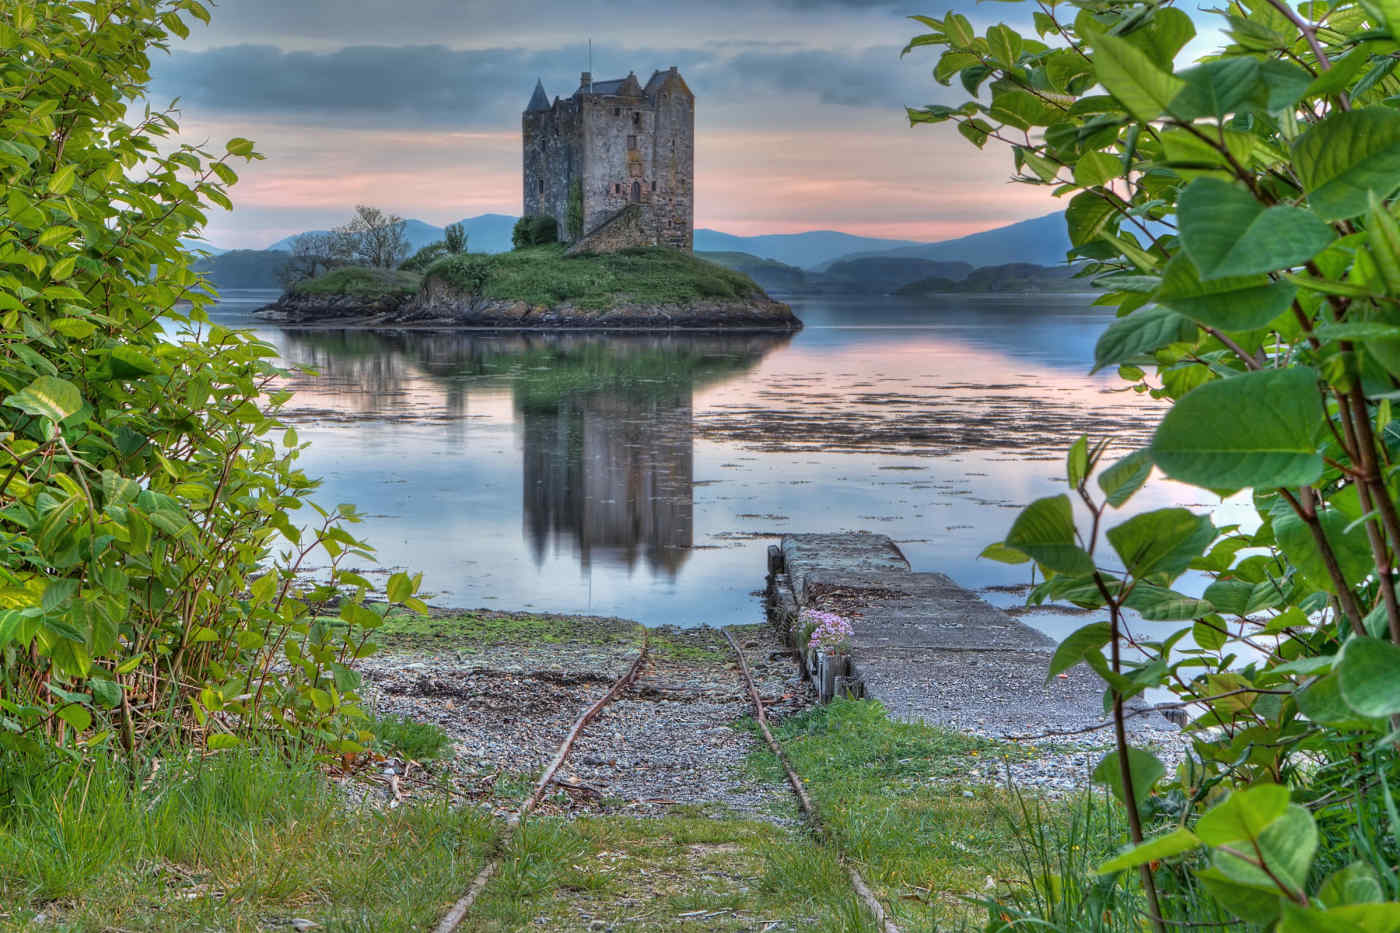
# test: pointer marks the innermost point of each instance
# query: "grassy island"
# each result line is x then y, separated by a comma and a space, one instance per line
361, 282
543, 275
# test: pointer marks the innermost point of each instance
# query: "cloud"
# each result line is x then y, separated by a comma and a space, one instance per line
435, 86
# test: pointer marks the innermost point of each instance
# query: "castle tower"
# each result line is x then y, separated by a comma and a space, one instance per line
614, 164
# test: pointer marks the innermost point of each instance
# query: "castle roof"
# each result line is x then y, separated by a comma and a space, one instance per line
539, 100
618, 87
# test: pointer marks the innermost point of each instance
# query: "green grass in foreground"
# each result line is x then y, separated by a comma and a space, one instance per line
888, 793
543, 275
692, 870
238, 841
361, 282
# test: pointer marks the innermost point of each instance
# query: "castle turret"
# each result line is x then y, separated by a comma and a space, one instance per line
539, 100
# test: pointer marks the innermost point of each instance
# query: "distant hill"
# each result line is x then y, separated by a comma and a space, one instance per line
804, 250
1010, 277
1042, 241
244, 268
487, 233
768, 273
885, 274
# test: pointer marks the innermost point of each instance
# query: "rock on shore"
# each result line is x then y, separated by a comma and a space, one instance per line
441, 307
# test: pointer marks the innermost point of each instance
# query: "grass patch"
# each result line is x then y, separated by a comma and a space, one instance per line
887, 792
693, 870
361, 282
410, 739
543, 275
238, 841
481, 629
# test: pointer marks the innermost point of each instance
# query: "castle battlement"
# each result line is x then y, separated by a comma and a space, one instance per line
609, 145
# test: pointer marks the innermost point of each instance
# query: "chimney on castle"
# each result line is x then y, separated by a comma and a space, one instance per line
585, 80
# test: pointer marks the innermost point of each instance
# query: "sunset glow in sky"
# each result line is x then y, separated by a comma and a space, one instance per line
414, 106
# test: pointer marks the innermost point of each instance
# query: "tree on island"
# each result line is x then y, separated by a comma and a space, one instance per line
372, 237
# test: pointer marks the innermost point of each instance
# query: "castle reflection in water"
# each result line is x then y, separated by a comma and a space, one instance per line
605, 422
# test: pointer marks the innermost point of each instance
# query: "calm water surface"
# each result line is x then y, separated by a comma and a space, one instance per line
645, 476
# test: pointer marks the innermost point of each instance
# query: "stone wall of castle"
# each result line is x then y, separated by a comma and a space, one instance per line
554, 147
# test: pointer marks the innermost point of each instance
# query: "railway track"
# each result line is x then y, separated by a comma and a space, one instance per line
628, 683
458, 913
809, 809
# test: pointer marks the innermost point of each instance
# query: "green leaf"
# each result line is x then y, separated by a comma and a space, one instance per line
1131, 77
1004, 44
1230, 304
1095, 168
1139, 334
1143, 766
1321, 701
106, 693
1216, 88
61, 181
131, 362
1077, 462
1357, 883
1287, 846
1347, 159
1227, 233
1003, 554
1151, 850
1362, 918
77, 716
1256, 903
222, 740
1126, 477
1044, 531
47, 397
1087, 216
1252, 430
1164, 541
1243, 815
1159, 604
1369, 676
400, 587
1072, 650
1351, 548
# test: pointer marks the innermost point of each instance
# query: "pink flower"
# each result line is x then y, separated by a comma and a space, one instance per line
831, 632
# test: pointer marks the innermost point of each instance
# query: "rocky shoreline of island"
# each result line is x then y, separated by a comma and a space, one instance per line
441, 308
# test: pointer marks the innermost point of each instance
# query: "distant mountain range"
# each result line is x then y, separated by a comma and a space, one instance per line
818, 260
1042, 241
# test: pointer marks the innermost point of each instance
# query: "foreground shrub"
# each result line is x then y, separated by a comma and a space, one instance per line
1240, 216
150, 504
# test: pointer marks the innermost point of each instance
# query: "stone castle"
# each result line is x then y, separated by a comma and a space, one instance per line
614, 163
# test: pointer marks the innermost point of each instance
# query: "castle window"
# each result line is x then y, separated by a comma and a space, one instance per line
636, 191
631, 142
636, 118
653, 186
617, 111
617, 188
541, 186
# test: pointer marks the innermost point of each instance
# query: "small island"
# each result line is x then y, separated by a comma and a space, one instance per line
540, 287
605, 241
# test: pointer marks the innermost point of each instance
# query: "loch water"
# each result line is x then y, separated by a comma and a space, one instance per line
644, 476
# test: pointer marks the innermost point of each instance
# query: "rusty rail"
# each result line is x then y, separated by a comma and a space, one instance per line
458, 913
872, 903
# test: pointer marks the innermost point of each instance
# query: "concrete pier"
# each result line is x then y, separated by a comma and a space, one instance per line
929, 649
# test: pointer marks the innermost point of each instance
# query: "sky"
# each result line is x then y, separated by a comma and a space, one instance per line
414, 106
